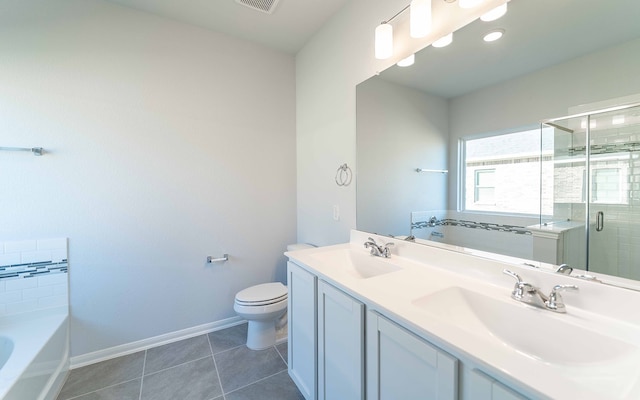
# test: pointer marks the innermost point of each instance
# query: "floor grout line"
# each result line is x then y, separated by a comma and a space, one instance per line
213, 356
259, 380
226, 350
102, 388
210, 340
281, 356
144, 366
179, 365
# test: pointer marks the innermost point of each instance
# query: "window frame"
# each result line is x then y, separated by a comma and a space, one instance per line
462, 170
476, 185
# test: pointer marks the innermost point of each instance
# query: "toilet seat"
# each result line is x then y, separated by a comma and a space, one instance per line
262, 295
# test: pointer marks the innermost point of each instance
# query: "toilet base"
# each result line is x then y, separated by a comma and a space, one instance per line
261, 334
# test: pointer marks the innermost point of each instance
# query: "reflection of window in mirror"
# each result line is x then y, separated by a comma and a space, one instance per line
485, 187
609, 185
501, 173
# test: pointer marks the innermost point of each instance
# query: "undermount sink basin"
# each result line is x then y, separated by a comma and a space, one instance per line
359, 265
526, 330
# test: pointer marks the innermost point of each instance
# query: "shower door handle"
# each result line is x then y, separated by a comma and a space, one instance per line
599, 221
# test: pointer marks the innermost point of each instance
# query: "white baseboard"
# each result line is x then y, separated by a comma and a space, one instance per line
133, 347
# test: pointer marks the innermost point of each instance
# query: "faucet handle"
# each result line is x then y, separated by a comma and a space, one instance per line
512, 274
386, 252
555, 303
521, 287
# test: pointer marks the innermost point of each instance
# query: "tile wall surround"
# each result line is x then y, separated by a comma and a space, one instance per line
421, 220
33, 275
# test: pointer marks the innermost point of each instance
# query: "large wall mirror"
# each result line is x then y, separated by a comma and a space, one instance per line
451, 149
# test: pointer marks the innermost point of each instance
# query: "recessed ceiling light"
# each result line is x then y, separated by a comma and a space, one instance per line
495, 13
618, 119
443, 41
405, 62
493, 35
592, 124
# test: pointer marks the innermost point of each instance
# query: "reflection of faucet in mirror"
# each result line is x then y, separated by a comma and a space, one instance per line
564, 269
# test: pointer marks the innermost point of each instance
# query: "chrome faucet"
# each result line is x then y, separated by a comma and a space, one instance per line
554, 302
564, 269
529, 294
526, 292
378, 250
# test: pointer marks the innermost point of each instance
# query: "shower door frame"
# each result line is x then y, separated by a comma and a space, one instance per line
587, 189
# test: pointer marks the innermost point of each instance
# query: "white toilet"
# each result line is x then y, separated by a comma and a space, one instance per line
263, 305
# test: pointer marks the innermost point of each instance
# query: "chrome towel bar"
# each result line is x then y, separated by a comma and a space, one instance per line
225, 257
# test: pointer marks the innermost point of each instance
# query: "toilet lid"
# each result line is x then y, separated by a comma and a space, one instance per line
265, 293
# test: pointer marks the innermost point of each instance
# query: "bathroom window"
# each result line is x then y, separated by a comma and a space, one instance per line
485, 188
501, 173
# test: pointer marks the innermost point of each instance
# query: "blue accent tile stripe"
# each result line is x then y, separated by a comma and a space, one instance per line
518, 230
33, 269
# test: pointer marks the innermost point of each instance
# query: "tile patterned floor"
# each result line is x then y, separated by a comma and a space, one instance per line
214, 366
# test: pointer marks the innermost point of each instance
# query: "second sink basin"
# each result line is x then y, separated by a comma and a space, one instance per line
360, 265
526, 330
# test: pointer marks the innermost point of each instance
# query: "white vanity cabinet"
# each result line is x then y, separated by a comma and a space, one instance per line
340, 345
326, 338
484, 387
302, 345
401, 365
339, 348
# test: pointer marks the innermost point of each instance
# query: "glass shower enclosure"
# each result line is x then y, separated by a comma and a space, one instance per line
590, 184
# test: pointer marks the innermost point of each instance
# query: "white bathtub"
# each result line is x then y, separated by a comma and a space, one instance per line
34, 347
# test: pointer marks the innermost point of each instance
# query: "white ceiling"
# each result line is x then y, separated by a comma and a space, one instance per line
538, 34
288, 28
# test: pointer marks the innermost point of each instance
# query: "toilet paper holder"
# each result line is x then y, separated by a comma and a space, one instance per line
210, 259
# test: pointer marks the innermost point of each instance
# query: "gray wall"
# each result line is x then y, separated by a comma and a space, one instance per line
328, 68
399, 129
166, 143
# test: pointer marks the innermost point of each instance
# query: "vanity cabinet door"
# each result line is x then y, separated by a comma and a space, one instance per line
401, 365
302, 358
340, 345
486, 388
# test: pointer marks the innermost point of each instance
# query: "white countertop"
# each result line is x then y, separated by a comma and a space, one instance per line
597, 310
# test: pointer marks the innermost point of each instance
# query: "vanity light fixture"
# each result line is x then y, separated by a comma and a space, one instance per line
443, 41
493, 35
419, 26
495, 13
469, 3
420, 18
384, 41
406, 62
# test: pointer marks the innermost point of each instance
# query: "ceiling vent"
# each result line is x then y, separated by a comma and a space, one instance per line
266, 6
